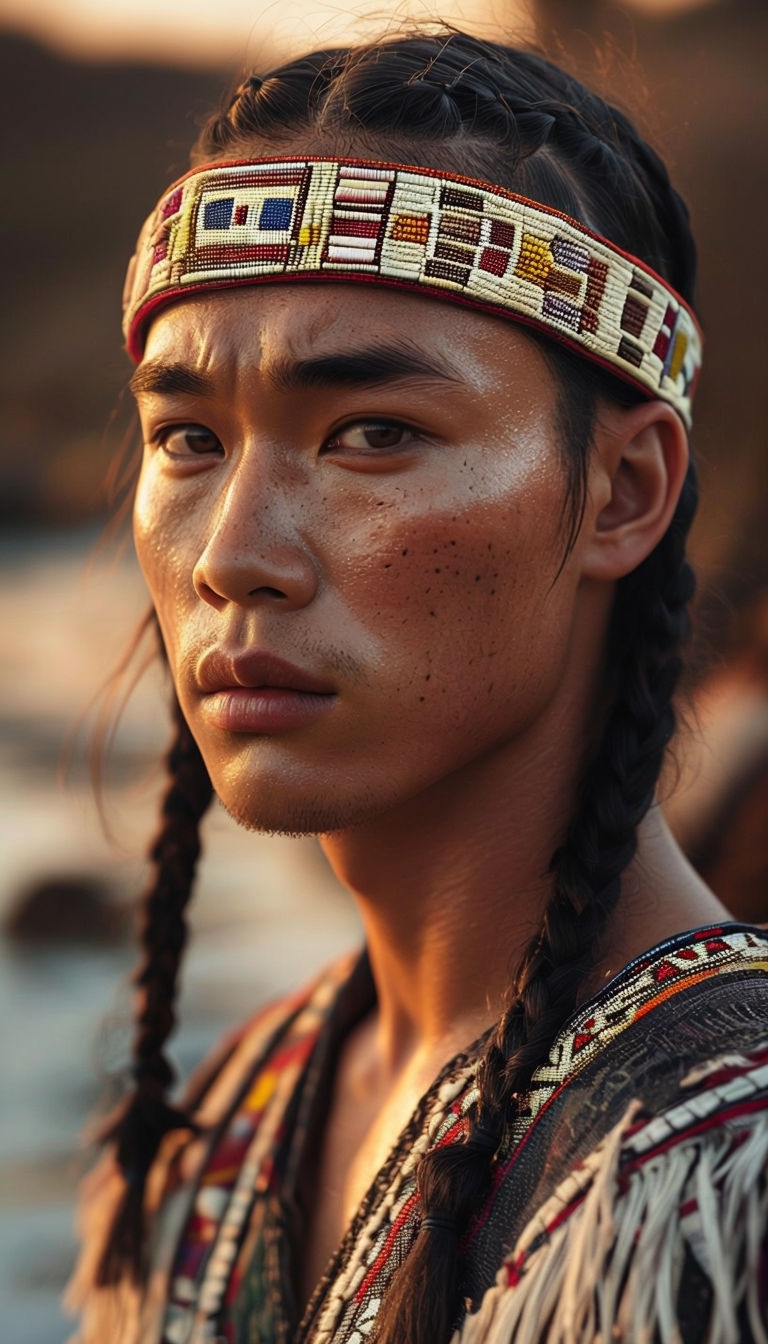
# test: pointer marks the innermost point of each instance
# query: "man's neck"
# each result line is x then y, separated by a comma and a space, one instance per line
451, 887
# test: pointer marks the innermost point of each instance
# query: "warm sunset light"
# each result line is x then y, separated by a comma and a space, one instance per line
234, 29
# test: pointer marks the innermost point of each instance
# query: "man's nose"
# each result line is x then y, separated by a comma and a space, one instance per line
256, 551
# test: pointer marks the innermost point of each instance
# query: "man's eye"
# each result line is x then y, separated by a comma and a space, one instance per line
371, 435
188, 441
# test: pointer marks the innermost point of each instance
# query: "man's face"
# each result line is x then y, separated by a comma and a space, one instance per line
368, 486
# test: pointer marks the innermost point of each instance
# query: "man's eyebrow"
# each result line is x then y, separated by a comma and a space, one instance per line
160, 376
357, 368
367, 367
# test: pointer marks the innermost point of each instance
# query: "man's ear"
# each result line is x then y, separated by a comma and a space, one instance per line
636, 473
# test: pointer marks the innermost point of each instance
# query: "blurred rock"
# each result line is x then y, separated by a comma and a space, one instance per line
66, 908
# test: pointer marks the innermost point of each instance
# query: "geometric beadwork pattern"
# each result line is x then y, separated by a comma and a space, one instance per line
451, 237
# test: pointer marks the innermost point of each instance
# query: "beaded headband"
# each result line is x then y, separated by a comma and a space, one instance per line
417, 229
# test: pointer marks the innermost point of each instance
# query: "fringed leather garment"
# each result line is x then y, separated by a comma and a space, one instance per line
629, 1198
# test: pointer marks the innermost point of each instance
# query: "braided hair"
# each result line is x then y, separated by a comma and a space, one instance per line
139, 1124
508, 116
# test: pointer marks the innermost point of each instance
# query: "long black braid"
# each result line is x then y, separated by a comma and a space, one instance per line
479, 108
139, 1125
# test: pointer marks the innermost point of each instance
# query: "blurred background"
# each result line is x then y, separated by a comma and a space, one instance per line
99, 104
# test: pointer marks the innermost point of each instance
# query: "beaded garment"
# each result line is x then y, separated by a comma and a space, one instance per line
628, 1196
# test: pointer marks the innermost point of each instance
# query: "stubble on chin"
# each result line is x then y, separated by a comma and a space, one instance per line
295, 819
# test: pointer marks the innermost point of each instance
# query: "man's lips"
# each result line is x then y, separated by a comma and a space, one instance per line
258, 693
219, 670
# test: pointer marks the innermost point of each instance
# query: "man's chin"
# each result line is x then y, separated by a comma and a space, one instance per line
298, 818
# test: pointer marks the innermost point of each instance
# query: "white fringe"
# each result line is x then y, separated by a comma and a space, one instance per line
611, 1271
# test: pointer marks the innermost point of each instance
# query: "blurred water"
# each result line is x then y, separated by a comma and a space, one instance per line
267, 913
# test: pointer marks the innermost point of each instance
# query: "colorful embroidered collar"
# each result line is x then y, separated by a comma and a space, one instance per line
452, 237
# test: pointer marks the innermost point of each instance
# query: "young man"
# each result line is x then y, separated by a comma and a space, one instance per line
415, 540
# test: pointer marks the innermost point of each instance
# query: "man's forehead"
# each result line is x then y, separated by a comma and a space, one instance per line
313, 334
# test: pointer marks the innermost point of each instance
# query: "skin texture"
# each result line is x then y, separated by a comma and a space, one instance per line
416, 569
